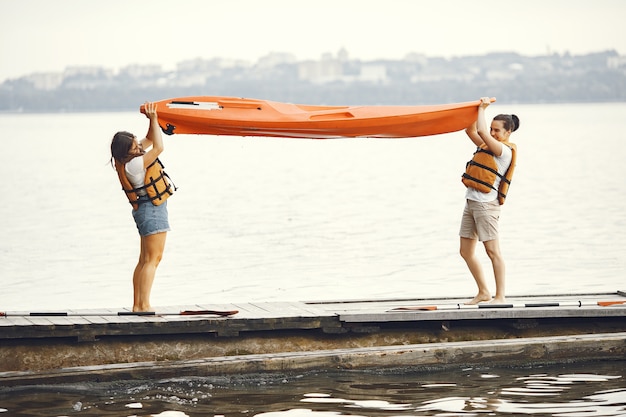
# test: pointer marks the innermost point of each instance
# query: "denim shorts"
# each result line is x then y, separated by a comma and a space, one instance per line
151, 219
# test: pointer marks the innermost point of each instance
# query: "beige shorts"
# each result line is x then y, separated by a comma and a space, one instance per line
480, 220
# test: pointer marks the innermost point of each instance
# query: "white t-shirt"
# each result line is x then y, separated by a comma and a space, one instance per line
503, 161
136, 173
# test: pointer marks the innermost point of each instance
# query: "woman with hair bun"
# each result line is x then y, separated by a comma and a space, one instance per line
487, 178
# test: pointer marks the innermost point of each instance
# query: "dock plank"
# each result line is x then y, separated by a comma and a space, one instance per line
285, 309
521, 307
18, 322
250, 310
87, 337
329, 316
72, 321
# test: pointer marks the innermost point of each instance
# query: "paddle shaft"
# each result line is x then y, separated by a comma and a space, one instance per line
221, 313
497, 306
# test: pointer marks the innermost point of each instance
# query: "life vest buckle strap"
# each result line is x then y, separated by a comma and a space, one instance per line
157, 185
476, 180
479, 165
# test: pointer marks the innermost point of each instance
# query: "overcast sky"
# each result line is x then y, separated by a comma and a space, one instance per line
47, 35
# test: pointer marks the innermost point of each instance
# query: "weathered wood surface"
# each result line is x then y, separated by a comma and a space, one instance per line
44, 345
543, 350
329, 316
581, 305
88, 325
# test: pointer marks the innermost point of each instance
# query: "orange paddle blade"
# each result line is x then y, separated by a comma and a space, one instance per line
610, 303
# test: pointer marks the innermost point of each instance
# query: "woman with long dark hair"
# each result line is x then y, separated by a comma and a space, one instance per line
147, 187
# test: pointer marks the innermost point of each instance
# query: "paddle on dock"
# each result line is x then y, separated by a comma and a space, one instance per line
221, 313
577, 303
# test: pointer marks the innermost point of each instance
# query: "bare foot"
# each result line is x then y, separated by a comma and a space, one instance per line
498, 300
479, 299
147, 309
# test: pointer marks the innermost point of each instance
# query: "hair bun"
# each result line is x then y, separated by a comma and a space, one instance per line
515, 122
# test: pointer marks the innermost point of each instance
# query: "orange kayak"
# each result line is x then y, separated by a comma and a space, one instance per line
250, 117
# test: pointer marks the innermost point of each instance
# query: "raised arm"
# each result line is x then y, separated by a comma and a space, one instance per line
153, 139
484, 131
472, 132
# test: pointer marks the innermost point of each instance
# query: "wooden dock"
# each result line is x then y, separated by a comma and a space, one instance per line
76, 345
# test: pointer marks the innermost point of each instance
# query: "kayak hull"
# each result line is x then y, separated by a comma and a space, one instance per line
211, 115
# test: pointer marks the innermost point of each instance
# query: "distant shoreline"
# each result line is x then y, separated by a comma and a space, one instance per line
512, 78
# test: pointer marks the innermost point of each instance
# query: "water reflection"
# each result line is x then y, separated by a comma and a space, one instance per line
371, 404
572, 390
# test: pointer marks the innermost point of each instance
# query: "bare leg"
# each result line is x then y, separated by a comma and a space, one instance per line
149, 257
468, 253
492, 247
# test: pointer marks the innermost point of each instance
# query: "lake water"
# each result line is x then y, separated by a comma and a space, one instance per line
571, 390
260, 219
297, 219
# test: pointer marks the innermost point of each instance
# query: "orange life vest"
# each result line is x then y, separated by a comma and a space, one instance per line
157, 184
482, 171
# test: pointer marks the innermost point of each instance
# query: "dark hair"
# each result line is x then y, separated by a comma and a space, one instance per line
510, 121
120, 146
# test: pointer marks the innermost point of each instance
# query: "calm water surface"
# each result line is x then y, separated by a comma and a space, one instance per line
259, 219
574, 390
